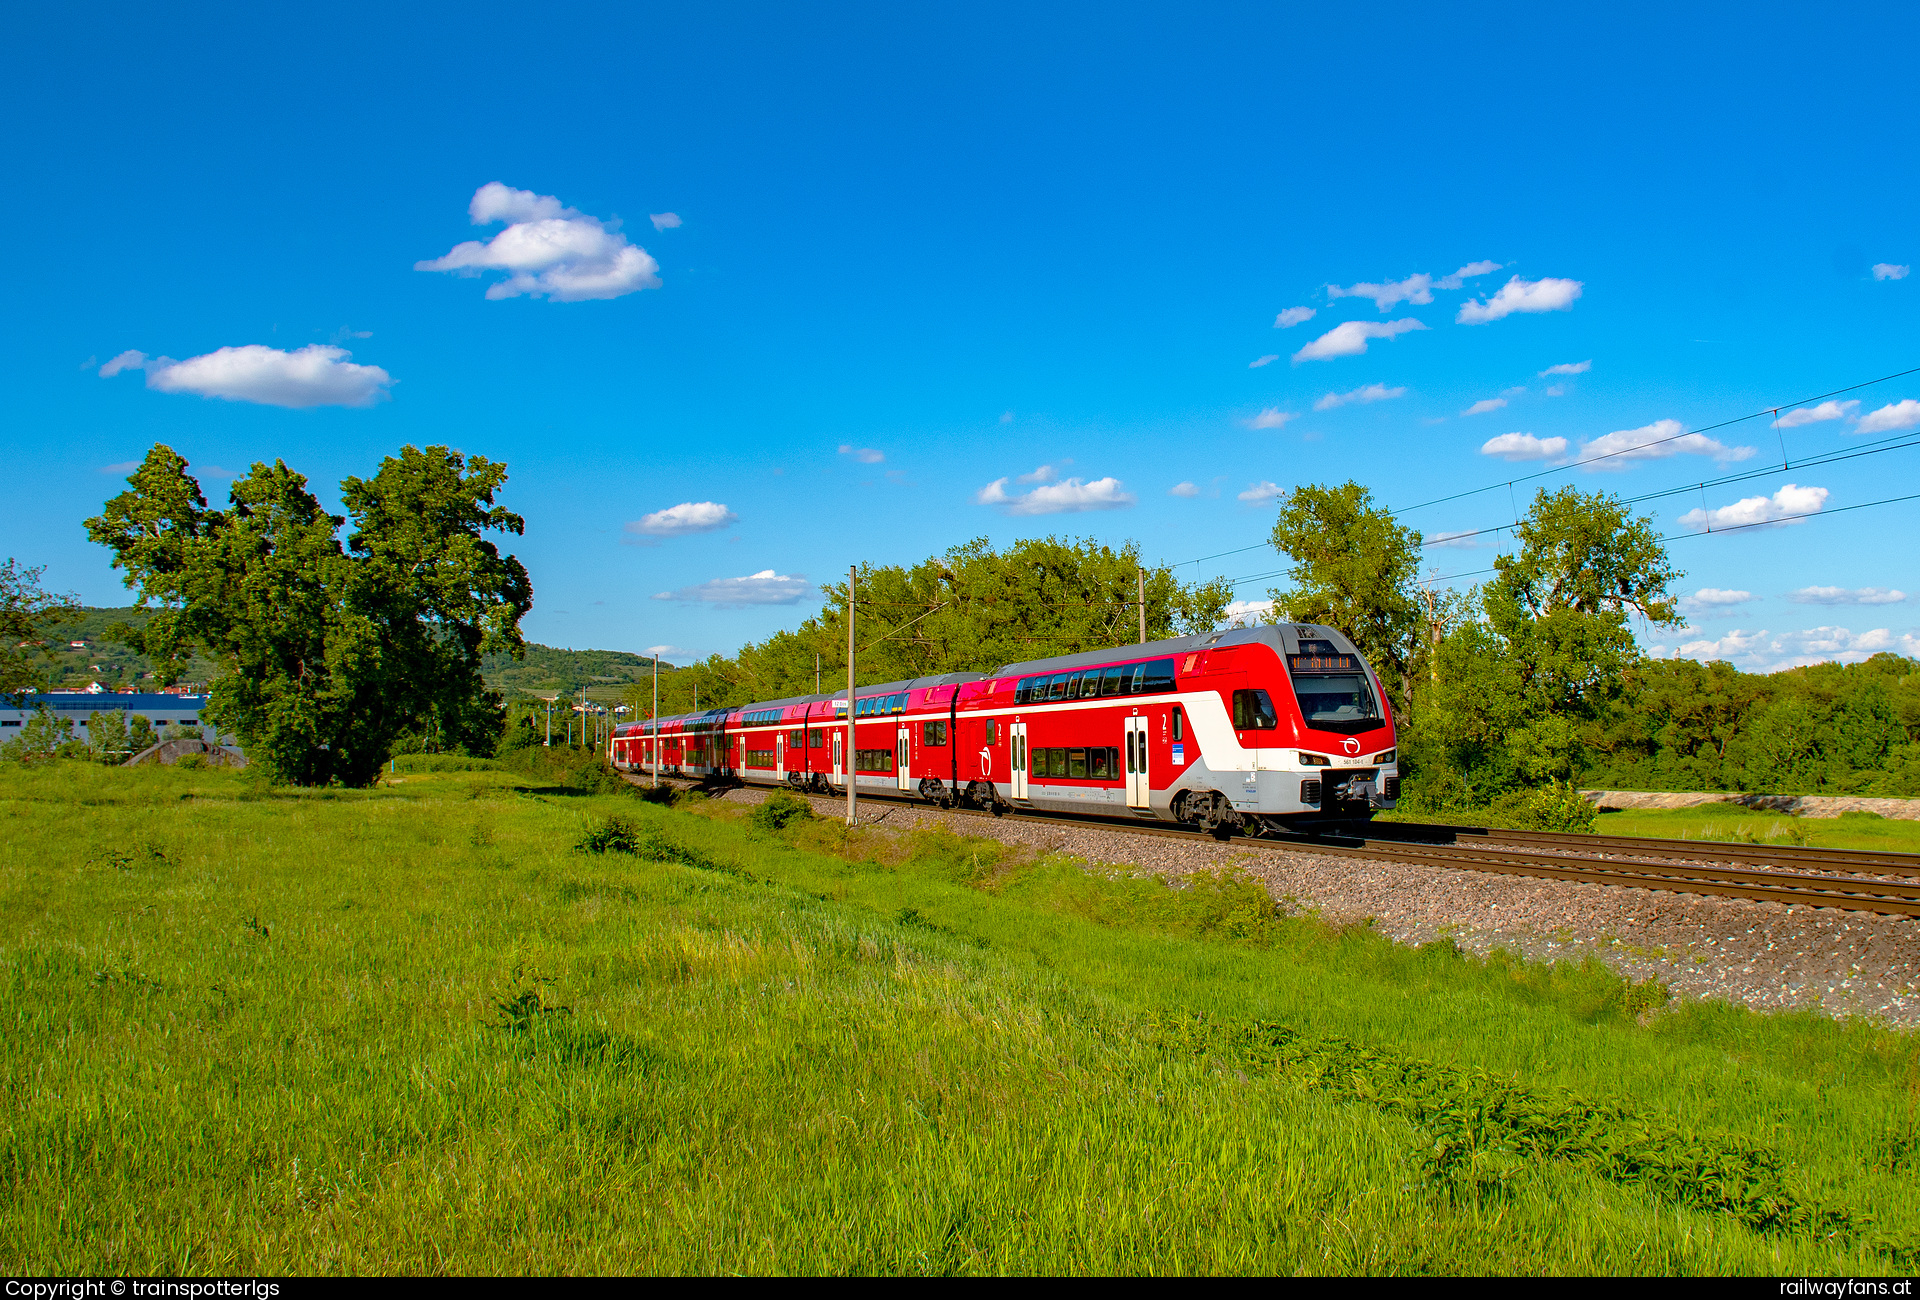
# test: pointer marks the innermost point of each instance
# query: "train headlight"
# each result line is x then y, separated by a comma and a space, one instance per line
1387, 757
1315, 760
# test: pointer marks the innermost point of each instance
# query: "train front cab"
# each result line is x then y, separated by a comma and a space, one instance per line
1295, 730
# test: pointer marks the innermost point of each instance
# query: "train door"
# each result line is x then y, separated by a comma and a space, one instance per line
1137, 786
839, 766
902, 752
1017, 753
779, 755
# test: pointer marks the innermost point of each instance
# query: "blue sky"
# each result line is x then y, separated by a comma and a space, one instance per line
976, 246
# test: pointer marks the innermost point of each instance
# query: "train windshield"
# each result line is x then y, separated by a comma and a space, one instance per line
1337, 702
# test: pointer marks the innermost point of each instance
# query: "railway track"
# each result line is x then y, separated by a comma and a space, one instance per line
1887, 883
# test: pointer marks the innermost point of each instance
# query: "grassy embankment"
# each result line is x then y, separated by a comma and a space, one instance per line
417, 1029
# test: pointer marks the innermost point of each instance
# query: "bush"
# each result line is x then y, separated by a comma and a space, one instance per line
779, 810
613, 835
442, 763
1552, 807
190, 762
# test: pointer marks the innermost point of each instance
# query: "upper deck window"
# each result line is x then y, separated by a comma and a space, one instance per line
1097, 683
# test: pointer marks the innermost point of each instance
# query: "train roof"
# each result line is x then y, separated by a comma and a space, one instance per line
793, 701
1283, 638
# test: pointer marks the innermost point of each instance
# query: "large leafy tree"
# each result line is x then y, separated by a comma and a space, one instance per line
328, 652
1354, 568
1520, 688
26, 610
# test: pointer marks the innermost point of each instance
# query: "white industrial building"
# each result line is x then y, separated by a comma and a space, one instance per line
160, 709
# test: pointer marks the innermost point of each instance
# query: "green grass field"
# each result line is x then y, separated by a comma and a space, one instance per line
1732, 822
418, 1030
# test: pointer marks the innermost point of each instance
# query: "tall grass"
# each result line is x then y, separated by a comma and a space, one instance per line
476, 1022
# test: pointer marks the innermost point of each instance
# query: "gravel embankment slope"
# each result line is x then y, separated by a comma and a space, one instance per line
1762, 955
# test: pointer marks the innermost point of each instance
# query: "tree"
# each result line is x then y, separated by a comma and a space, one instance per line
328, 653
968, 609
1353, 569
25, 610
1521, 688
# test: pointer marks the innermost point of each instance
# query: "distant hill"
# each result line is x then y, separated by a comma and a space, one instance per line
105, 661
544, 671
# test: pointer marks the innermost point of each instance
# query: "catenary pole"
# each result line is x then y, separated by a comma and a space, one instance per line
853, 814
1142, 575
654, 748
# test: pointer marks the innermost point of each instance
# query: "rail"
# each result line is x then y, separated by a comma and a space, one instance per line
1888, 883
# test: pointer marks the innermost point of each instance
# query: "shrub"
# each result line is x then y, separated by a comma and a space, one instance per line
611, 835
1551, 807
779, 810
190, 762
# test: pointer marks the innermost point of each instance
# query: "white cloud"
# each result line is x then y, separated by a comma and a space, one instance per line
1261, 492
1272, 418
1485, 405
1524, 446
1815, 414
1247, 613
1006, 417
316, 375
1568, 368
1765, 651
1845, 596
1267, 360
1521, 295
1464, 539
664, 220
1713, 602
1292, 316
1070, 496
1350, 338
1183, 490
763, 588
1891, 418
1043, 474
1465, 273
687, 517
1787, 506
1888, 271
865, 455
1656, 441
1414, 289
120, 467
1556, 390
667, 652
547, 250
1359, 396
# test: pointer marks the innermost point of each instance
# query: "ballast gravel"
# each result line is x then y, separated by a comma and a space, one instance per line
1764, 955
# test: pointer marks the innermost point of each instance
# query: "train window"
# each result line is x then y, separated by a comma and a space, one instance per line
1073, 685
897, 703
873, 760
1337, 702
1253, 711
1057, 686
993, 730
933, 733
1056, 762
1077, 763
1099, 764
759, 758
796, 740
1130, 679
1020, 690
1179, 729
1110, 681
1159, 675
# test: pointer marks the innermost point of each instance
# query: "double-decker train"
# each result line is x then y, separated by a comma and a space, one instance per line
1243, 730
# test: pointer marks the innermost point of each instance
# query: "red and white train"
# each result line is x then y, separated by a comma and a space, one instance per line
1247, 729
